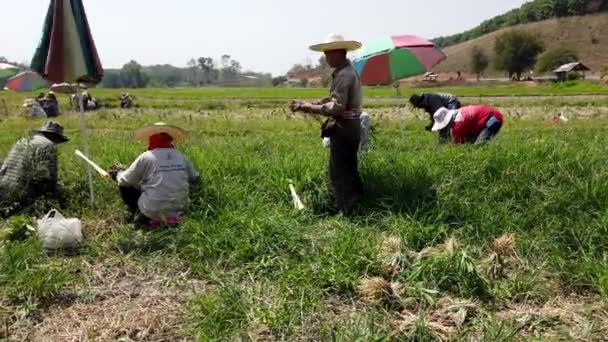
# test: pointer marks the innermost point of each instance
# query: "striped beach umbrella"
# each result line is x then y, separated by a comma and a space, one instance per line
66, 52
26, 81
390, 59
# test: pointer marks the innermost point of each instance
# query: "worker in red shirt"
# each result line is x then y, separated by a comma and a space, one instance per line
471, 124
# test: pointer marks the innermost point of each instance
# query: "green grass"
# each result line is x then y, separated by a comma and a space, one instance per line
278, 273
212, 98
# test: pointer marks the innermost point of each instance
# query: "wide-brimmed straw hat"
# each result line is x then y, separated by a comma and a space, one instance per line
144, 133
55, 130
442, 118
336, 42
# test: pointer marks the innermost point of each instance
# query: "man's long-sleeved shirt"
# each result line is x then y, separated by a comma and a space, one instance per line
345, 95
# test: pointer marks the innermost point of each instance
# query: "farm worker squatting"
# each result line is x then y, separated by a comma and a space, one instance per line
343, 127
471, 124
156, 187
431, 103
30, 169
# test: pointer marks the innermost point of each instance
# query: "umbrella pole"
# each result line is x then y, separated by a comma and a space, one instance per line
85, 145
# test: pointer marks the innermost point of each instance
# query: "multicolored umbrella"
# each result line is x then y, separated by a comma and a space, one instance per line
8, 70
392, 58
26, 81
66, 52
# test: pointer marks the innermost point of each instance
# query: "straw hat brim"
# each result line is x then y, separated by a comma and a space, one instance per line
443, 121
348, 45
60, 137
144, 133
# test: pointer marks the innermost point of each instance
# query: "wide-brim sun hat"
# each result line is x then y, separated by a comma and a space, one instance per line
336, 42
442, 118
178, 134
54, 129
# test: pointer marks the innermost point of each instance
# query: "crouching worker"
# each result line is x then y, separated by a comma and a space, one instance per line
29, 172
156, 187
471, 124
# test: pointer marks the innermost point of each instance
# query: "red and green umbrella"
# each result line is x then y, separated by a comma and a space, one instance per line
26, 81
67, 52
387, 60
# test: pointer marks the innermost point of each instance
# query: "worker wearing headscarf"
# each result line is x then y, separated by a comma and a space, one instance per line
156, 187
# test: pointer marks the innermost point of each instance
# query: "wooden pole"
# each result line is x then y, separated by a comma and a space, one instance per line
85, 145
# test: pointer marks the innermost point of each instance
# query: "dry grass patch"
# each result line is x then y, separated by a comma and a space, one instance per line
123, 300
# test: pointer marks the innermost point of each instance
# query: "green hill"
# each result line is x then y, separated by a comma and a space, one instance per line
530, 12
588, 35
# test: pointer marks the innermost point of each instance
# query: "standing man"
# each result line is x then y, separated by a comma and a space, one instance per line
343, 126
431, 103
30, 169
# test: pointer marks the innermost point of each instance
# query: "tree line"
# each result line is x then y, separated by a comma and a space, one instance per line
199, 72
533, 11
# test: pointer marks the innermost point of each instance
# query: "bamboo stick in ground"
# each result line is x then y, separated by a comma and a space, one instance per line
99, 170
297, 203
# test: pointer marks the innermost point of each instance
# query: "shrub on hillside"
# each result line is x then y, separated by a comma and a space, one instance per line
479, 61
552, 59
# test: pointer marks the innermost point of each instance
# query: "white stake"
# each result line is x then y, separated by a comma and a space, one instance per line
99, 170
297, 203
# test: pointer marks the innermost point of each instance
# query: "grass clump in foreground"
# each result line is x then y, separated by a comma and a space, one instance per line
426, 258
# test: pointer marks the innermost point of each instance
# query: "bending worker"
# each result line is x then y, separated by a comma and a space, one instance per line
156, 187
470, 124
431, 103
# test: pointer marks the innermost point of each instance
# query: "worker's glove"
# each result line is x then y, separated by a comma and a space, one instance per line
115, 169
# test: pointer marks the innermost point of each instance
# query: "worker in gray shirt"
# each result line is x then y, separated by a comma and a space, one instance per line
29, 172
156, 187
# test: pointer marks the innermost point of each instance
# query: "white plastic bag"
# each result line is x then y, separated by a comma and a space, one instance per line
60, 233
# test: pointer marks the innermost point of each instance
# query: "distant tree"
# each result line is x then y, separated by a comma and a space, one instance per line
277, 81
231, 69
552, 59
111, 79
304, 82
193, 78
207, 67
3, 59
296, 70
133, 76
164, 75
479, 61
516, 52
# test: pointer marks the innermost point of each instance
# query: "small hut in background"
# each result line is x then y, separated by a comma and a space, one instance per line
563, 71
430, 77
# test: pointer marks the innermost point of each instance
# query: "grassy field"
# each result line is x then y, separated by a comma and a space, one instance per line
504, 242
203, 99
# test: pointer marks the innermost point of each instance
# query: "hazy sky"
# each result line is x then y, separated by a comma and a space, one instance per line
264, 35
